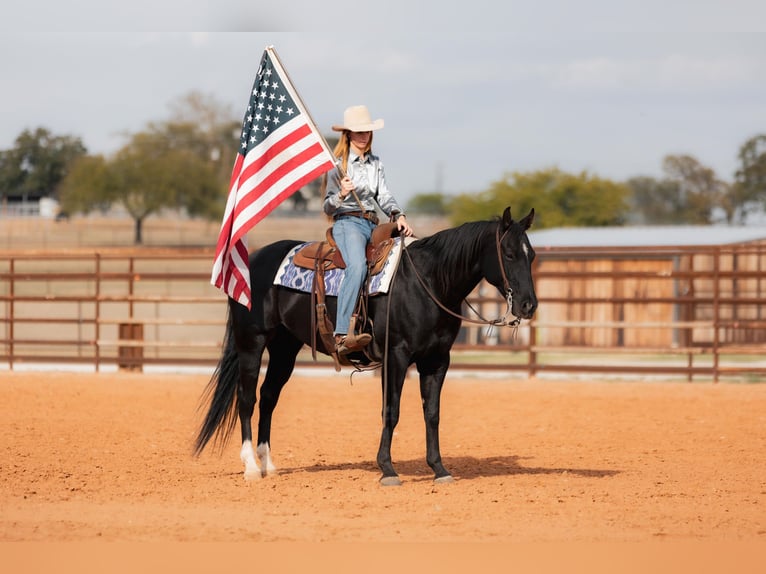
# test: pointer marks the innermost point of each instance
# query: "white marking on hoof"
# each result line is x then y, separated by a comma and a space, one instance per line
247, 456
390, 481
444, 479
264, 456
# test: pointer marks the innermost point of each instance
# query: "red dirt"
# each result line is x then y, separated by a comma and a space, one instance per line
107, 457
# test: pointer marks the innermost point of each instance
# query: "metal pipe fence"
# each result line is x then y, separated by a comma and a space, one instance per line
675, 311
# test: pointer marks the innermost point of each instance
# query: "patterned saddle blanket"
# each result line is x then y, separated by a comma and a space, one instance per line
301, 279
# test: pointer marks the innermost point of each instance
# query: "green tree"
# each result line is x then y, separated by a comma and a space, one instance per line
429, 204
656, 202
37, 163
89, 186
699, 188
183, 163
144, 177
750, 178
690, 193
560, 199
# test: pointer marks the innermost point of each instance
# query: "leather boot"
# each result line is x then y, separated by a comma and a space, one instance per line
345, 344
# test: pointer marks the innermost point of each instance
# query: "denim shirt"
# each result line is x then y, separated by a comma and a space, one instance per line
370, 185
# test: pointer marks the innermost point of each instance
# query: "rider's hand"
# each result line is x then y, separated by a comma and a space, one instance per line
346, 187
403, 227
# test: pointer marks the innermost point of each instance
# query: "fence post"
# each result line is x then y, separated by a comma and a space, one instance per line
532, 363
716, 309
10, 312
131, 357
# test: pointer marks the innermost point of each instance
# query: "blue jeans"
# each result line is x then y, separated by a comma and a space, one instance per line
351, 234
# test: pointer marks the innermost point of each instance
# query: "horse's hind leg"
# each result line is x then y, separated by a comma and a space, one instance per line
283, 350
249, 369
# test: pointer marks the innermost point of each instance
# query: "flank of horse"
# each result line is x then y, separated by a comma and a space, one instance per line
417, 323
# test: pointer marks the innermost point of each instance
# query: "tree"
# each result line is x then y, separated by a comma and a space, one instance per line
690, 193
207, 126
699, 188
88, 186
428, 204
750, 178
559, 199
144, 177
183, 163
656, 202
37, 164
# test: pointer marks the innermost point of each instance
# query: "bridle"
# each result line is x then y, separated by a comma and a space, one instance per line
500, 322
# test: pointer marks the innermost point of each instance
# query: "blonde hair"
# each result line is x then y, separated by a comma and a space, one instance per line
341, 151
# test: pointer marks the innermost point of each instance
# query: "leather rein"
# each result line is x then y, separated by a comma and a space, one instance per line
502, 321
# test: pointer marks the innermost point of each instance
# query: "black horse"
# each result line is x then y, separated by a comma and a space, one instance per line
419, 320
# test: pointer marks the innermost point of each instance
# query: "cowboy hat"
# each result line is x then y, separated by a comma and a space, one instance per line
357, 119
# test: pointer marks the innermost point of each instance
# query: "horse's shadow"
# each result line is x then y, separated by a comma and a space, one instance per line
461, 467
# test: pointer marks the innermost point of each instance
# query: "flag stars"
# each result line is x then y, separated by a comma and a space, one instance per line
270, 106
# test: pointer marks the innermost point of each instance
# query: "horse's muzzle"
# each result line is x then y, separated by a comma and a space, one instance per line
528, 308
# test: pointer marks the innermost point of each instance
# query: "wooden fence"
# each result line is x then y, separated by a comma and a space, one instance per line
680, 311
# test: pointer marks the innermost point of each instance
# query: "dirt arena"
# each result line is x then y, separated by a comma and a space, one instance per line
107, 457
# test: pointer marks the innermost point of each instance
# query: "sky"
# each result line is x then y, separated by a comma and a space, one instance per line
469, 93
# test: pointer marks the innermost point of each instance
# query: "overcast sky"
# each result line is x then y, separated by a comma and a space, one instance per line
468, 93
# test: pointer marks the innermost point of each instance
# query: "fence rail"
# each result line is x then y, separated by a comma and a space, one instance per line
680, 311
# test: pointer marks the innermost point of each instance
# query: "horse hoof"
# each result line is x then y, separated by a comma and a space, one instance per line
390, 481
447, 479
253, 475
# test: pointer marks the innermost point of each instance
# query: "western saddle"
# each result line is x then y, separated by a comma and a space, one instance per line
321, 256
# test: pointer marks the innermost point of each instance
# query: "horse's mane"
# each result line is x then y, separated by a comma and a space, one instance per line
452, 249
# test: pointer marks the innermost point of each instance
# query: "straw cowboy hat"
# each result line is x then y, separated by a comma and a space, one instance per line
357, 119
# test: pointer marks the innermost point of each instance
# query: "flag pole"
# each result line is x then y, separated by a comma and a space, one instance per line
338, 165
282, 69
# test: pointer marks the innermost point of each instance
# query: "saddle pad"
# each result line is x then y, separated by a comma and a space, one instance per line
288, 275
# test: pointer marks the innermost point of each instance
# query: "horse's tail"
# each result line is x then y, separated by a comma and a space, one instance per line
221, 394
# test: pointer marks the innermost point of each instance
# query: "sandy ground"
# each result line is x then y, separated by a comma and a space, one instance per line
107, 457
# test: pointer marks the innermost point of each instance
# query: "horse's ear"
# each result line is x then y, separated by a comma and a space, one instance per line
526, 223
507, 219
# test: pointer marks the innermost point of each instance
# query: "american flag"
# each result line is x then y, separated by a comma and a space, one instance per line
280, 151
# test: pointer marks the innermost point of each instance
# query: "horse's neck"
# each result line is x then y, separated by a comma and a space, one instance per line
456, 266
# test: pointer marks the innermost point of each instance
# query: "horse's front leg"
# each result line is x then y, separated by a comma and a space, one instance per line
431, 382
393, 382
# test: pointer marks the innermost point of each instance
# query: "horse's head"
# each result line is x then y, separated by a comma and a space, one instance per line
508, 264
